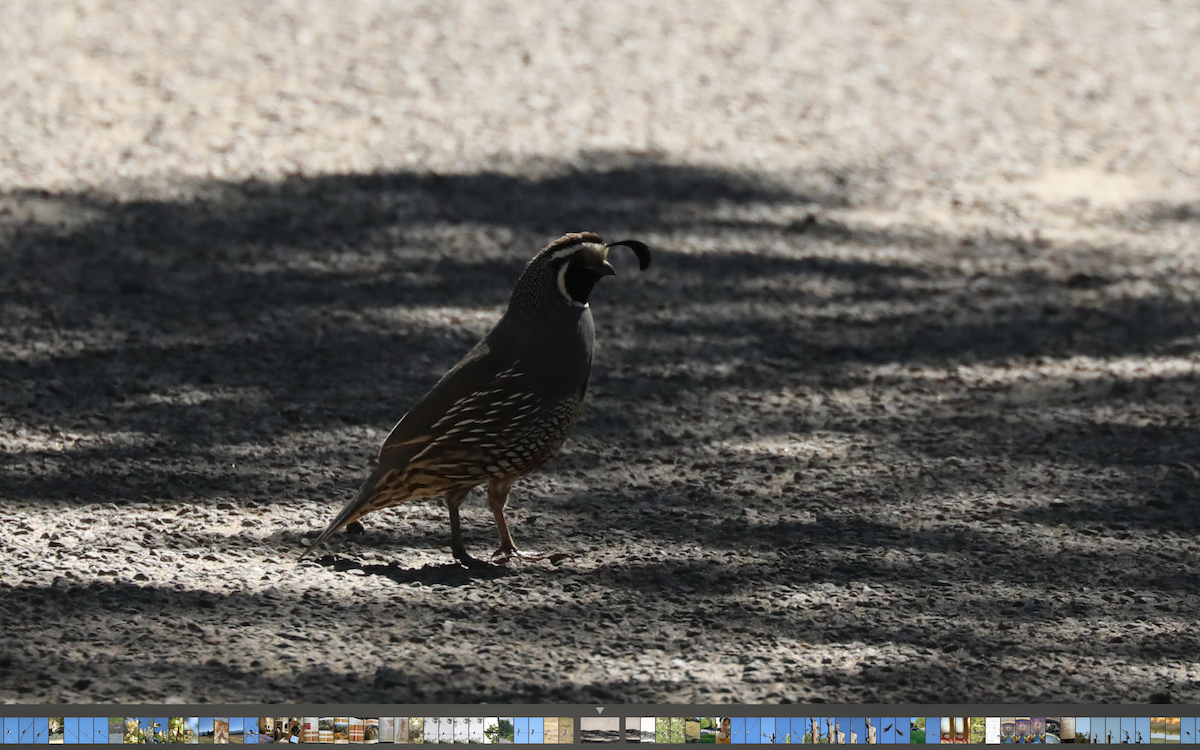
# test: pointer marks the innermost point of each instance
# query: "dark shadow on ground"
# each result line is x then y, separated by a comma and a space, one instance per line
242, 318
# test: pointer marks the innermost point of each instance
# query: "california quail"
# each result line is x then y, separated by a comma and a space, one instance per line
508, 406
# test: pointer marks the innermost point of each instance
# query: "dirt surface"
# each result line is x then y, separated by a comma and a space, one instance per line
905, 409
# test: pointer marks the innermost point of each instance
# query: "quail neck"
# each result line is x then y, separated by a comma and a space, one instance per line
551, 297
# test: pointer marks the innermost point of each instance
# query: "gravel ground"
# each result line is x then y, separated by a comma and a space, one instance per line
905, 410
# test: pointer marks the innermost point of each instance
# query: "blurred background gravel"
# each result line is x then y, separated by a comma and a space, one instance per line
904, 411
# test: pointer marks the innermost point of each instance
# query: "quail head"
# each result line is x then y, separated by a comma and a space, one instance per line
508, 406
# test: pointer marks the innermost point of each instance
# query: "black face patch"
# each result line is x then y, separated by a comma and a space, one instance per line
579, 280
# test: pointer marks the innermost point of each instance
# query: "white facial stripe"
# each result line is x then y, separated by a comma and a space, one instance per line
566, 252
562, 286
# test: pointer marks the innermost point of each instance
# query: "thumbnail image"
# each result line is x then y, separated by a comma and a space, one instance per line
221, 730
858, 731
133, 733
206, 731
400, 733
991, 730
158, 730
416, 729
180, 731
1187, 730
874, 726
54, 728
1066, 729
808, 727
916, 730
1171, 731
887, 733
945, 729
751, 734
1024, 730
603, 729
251, 734
566, 730
550, 730
508, 729
1008, 730
1112, 731
71, 730
341, 730
310, 729
325, 729
755, 731
536, 727
387, 730
724, 730
357, 728
708, 729
1158, 730
1083, 730
738, 729
766, 730
796, 729
268, 726
99, 731
371, 731
477, 730
799, 728
293, 730
661, 730
461, 730
668, 730
1128, 730
691, 729
633, 729
98, 726
1037, 729
978, 730
783, 730
237, 730
116, 730
841, 731
1141, 727
491, 730
902, 723
933, 730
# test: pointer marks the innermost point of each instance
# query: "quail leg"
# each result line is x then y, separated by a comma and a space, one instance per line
453, 500
497, 499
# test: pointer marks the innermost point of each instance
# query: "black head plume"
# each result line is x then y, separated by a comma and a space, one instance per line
639, 249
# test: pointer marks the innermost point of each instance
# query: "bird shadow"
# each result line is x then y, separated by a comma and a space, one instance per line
444, 574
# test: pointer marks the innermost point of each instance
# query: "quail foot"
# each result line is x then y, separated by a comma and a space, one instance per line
508, 406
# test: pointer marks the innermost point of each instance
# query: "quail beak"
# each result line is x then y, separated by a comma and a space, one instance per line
606, 269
